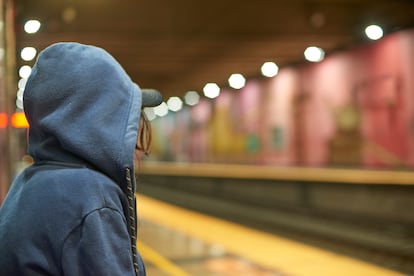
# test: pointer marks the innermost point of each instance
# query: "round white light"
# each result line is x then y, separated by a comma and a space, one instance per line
19, 103
20, 93
22, 84
314, 54
191, 98
269, 69
374, 32
149, 112
28, 53
161, 110
211, 90
237, 81
25, 71
174, 104
32, 26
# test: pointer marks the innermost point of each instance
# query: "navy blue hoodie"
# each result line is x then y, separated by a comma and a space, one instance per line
73, 212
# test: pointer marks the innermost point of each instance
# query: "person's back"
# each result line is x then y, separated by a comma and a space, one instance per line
53, 213
73, 211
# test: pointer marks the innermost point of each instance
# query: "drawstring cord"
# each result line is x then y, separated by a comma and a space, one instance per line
132, 220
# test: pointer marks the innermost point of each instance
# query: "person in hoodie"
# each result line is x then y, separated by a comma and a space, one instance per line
73, 211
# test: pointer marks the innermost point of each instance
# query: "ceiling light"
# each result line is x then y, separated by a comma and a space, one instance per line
269, 69
211, 90
374, 32
22, 84
314, 54
19, 99
161, 110
28, 53
32, 26
191, 98
25, 71
149, 112
174, 104
237, 81
20, 93
19, 103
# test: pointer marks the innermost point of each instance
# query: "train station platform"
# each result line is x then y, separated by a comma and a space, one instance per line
179, 242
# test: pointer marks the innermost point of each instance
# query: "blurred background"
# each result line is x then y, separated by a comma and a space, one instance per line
282, 115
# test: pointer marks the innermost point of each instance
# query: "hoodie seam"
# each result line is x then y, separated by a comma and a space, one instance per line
80, 224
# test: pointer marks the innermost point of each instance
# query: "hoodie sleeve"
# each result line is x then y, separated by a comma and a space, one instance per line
99, 246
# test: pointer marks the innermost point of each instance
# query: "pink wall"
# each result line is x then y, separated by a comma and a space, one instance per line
355, 108
406, 48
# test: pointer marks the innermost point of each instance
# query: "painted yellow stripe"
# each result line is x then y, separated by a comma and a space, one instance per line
150, 255
282, 255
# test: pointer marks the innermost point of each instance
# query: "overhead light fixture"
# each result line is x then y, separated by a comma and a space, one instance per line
149, 112
28, 53
32, 26
374, 32
191, 98
22, 83
237, 81
161, 110
25, 71
19, 99
269, 69
211, 90
314, 54
174, 104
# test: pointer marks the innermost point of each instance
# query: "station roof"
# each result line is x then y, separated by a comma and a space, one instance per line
180, 45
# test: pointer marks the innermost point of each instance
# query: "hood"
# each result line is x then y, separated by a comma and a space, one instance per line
82, 108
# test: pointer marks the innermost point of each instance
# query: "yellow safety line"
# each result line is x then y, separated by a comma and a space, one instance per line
150, 255
283, 255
